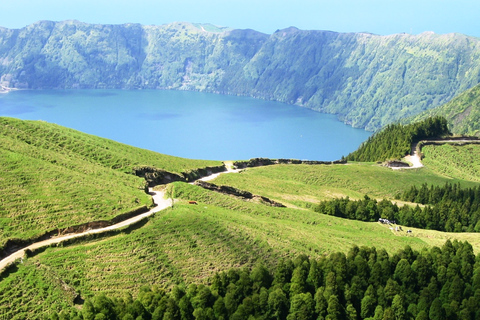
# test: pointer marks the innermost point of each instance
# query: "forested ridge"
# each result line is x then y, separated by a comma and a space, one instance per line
367, 80
395, 140
436, 283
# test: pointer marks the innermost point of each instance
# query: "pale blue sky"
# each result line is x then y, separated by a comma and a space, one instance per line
375, 16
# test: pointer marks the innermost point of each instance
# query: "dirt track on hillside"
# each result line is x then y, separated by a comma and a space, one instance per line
415, 159
158, 199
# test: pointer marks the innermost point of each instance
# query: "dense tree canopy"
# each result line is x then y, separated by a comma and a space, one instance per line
366, 283
449, 208
395, 140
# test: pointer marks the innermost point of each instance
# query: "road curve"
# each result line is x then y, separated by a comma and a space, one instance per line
158, 197
414, 157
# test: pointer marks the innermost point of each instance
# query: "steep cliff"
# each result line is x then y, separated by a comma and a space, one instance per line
367, 80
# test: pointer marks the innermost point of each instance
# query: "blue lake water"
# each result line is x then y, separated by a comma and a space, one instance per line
191, 124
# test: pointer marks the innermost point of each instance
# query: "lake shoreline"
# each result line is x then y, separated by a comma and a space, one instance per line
189, 124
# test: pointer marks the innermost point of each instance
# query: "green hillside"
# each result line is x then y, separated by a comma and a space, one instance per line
305, 185
188, 244
454, 161
47, 166
367, 80
54, 177
365, 283
462, 113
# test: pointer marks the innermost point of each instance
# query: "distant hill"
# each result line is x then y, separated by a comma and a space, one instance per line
462, 113
367, 80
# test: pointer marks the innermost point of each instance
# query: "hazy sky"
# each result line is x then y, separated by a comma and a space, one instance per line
375, 16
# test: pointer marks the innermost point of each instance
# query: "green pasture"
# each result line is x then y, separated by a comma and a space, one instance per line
54, 177
58, 140
48, 184
189, 243
304, 185
454, 161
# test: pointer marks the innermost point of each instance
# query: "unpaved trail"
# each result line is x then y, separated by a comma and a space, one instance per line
158, 199
215, 175
414, 157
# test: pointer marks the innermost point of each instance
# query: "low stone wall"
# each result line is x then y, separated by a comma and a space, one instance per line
196, 174
458, 141
396, 164
237, 193
154, 176
259, 162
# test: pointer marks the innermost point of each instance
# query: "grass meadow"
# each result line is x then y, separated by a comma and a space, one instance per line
56, 176
454, 161
303, 185
189, 243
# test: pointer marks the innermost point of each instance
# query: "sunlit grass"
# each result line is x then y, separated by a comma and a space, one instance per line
54, 177
460, 162
303, 185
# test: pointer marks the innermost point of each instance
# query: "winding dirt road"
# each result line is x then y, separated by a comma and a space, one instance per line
414, 157
158, 198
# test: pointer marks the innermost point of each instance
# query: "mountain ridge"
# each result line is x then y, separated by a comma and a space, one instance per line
367, 80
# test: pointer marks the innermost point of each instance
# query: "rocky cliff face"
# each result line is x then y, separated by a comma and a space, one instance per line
367, 80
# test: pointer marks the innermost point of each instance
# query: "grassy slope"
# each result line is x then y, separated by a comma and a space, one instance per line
462, 113
299, 185
189, 243
457, 162
54, 177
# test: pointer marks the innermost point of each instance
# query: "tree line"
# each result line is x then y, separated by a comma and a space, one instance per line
366, 283
449, 208
395, 140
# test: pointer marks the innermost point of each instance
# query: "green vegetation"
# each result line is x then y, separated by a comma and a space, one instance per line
306, 185
190, 243
454, 209
145, 270
455, 161
54, 177
104, 152
366, 283
462, 113
395, 141
32, 292
367, 80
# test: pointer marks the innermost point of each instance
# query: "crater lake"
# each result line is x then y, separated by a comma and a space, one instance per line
191, 124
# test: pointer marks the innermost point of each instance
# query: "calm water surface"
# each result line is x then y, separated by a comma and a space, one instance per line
191, 124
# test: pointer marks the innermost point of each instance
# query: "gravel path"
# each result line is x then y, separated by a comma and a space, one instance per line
414, 157
158, 199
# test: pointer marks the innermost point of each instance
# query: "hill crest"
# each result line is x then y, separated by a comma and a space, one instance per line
367, 80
